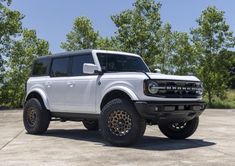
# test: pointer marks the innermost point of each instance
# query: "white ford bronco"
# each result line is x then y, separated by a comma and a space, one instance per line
113, 92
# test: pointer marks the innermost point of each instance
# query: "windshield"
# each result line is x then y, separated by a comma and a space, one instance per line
121, 63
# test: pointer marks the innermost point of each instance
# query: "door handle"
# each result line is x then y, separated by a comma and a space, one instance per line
48, 84
70, 84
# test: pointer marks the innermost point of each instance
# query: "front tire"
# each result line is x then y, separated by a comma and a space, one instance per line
180, 130
120, 124
35, 116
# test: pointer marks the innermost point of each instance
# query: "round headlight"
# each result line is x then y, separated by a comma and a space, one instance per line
152, 87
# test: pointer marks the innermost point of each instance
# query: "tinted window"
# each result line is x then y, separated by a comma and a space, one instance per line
59, 67
40, 67
121, 63
78, 61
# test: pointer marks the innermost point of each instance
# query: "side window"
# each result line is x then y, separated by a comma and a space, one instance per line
77, 63
103, 61
59, 67
40, 67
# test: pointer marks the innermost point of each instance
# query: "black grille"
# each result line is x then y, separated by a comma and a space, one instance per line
177, 89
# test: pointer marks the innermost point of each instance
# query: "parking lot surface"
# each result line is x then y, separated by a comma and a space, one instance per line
69, 143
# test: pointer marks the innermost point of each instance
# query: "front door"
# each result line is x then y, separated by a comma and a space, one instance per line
80, 96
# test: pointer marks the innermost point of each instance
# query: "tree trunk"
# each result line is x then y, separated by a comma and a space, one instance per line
209, 98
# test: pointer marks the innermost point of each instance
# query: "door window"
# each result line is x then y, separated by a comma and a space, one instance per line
77, 63
40, 67
59, 67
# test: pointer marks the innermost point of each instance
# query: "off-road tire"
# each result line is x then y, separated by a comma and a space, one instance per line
92, 125
185, 132
136, 124
41, 117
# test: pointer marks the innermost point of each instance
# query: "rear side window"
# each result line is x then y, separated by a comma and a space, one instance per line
41, 67
59, 67
77, 63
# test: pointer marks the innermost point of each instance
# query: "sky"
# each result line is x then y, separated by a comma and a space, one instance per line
53, 19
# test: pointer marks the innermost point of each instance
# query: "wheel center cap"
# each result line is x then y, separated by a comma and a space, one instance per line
120, 123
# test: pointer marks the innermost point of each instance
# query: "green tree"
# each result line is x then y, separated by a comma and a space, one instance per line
176, 53
10, 26
211, 37
229, 66
8, 2
166, 48
184, 60
107, 44
82, 36
20, 61
138, 30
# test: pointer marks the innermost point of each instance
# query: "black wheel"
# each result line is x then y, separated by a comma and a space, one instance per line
36, 118
179, 130
120, 124
91, 124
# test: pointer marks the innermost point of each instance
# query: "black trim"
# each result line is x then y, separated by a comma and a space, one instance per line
146, 75
58, 55
171, 102
170, 93
169, 110
178, 80
74, 116
72, 53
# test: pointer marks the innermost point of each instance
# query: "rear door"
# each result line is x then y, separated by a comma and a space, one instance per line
57, 85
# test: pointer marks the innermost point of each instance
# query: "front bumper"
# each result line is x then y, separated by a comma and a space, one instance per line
165, 111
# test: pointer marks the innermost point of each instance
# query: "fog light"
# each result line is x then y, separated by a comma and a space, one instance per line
156, 108
180, 107
197, 108
169, 108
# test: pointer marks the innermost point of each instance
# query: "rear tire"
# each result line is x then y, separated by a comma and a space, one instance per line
92, 125
120, 124
36, 117
180, 130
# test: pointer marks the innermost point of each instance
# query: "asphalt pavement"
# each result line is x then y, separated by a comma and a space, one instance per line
69, 143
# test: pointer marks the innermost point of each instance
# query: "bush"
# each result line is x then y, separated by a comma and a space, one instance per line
227, 103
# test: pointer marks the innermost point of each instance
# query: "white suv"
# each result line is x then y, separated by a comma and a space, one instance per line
113, 92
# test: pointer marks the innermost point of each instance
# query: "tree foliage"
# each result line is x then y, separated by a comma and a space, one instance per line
82, 36
8, 2
210, 38
138, 30
141, 31
20, 61
184, 60
176, 54
204, 52
18, 48
166, 46
10, 26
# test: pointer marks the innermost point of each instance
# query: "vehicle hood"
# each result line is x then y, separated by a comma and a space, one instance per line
160, 76
142, 76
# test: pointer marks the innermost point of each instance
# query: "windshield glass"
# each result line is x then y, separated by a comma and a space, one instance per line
121, 63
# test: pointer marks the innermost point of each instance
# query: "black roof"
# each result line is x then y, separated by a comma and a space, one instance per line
66, 54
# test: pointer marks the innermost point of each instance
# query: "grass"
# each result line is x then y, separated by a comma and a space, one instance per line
227, 103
